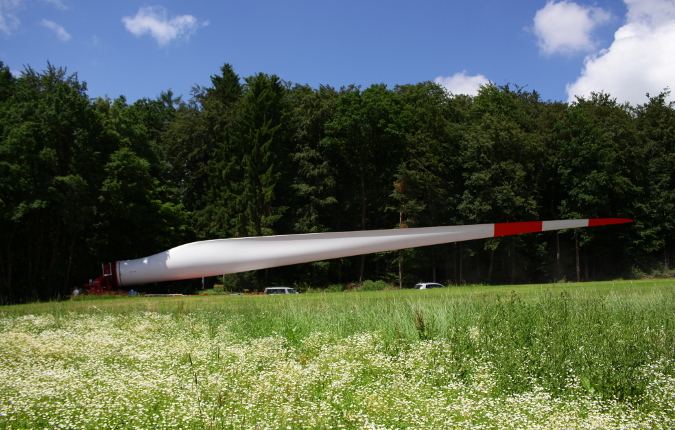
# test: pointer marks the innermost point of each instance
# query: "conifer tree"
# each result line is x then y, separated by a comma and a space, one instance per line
250, 162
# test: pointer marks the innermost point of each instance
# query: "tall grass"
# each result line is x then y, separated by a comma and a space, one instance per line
591, 356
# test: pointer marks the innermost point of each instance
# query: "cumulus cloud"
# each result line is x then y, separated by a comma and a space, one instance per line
460, 83
61, 32
640, 60
8, 19
566, 27
153, 20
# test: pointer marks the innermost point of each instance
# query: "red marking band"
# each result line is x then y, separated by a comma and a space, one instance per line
508, 228
607, 221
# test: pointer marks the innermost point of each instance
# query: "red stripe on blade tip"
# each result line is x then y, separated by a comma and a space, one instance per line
607, 221
508, 228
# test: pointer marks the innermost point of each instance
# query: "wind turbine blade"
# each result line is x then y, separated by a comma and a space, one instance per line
222, 256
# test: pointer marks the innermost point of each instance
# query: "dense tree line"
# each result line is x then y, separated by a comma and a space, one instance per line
85, 181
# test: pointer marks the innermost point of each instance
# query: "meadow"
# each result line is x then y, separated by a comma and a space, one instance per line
580, 356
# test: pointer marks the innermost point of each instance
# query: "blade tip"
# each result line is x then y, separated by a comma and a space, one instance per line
608, 221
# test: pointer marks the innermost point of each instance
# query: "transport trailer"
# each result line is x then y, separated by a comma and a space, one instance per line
106, 283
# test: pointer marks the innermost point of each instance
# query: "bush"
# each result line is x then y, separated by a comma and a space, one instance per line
303, 287
374, 286
335, 288
216, 290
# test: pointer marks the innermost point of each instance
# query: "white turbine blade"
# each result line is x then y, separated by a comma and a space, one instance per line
222, 256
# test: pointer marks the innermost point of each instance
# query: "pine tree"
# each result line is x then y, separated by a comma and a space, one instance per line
249, 163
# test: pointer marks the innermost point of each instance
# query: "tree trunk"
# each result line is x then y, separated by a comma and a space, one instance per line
492, 263
665, 255
454, 262
576, 249
460, 263
70, 262
6, 262
513, 263
400, 225
433, 265
558, 269
55, 245
447, 269
400, 269
340, 272
34, 259
363, 211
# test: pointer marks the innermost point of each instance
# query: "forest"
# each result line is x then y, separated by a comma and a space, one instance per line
86, 181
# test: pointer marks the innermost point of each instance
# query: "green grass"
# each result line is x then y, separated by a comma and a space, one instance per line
591, 355
130, 304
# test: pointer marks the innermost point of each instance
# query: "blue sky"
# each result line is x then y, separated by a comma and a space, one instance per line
558, 48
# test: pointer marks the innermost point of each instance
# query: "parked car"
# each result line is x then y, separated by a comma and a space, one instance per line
280, 290
427, 285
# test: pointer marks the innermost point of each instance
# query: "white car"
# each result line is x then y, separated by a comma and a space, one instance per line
280, 290
427, 285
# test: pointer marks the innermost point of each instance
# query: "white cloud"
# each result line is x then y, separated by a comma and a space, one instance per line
640, 60
8, 13
8, 19
566, 27
61, 32
153, 20
460, 83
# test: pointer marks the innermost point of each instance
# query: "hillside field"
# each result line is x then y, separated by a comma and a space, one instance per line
583, 356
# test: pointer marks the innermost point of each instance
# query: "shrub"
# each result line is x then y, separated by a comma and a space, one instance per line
374, 286
335, 288
216, 290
